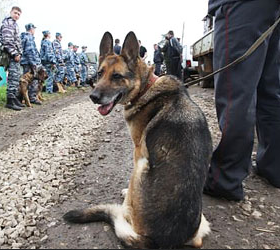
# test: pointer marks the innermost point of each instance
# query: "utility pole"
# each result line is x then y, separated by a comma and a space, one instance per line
183, 33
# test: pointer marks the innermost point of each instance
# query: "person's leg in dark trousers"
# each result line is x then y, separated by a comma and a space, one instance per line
176, 67
268, 114
157, 69
237, 26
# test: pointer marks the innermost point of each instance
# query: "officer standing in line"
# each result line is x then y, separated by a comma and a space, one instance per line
84, 69
70, 65
59, 62
48, 59
30, 59
9, 37
77, 65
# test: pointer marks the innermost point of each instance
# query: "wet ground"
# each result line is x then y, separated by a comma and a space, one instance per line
253, 223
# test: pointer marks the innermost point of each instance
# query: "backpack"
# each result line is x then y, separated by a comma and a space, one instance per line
4, 57
176, 49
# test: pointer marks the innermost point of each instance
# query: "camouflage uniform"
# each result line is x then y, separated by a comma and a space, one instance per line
59, 61
77, 62
84, 70
9, 37
70, 66
30, 58
48, 60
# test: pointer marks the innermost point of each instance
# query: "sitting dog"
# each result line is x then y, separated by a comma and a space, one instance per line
26, 80
91, 81
43, 76
172, 149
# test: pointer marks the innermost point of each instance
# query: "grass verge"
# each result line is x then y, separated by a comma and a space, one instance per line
47, 97
3, 96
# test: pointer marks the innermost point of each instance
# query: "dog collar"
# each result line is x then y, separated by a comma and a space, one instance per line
150, 83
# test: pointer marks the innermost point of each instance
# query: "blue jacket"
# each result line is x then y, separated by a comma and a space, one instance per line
58, 51
47, 52
30, 53
117, 49
9, 37
69, 58
83, 58
76, 59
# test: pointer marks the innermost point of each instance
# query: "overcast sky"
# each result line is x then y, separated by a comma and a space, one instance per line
84, 22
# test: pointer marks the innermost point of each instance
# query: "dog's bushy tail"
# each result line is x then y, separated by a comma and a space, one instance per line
97, 213
112, 214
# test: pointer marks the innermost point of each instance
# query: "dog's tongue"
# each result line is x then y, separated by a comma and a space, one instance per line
105, 109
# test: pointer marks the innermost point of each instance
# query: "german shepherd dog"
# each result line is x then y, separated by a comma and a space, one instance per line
26, 80
172, 148
41, 81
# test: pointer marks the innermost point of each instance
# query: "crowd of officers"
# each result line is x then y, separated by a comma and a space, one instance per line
64, 64
60, 64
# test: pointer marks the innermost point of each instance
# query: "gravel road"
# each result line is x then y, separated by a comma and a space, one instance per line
64, 155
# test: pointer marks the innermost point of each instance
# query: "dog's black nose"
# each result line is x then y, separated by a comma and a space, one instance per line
95, 96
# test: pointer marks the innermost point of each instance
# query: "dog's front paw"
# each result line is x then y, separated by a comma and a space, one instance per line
124, 192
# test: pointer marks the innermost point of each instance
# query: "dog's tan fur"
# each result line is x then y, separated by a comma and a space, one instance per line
172, 147
27, 79
39, 91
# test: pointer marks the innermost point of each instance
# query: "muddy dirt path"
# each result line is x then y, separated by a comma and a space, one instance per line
253, 223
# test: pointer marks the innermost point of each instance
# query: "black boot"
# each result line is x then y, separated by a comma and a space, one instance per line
77, 85
11, 104
18, 103
37, 102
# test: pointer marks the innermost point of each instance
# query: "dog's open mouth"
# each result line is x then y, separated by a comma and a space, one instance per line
105, 109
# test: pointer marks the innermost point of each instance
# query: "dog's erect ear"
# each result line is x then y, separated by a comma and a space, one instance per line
130, 49
106, 46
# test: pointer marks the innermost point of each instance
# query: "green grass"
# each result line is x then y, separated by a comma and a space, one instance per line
46, 96
2, 95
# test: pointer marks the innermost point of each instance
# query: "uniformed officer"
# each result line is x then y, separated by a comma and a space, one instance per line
84, 69
30, 59
10, 38
59, 62
77, 65
247, 96
70, 65
48, 60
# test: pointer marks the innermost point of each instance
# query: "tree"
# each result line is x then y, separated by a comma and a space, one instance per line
5, 7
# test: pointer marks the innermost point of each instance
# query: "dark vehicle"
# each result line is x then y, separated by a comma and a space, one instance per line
92, 67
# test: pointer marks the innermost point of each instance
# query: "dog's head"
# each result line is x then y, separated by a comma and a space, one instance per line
41, 74
120, 77
65, 80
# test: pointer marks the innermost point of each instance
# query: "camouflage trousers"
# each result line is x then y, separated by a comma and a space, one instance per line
77, 69
49, 82
14, 72
60, 73
84, 72
32, 88
71, 74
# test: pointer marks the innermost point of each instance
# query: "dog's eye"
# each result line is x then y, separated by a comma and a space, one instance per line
117, 76
100, 73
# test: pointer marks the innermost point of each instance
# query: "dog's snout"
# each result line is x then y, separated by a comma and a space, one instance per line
95, 96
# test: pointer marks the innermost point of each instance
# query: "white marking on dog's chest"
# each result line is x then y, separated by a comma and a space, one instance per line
142, 166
